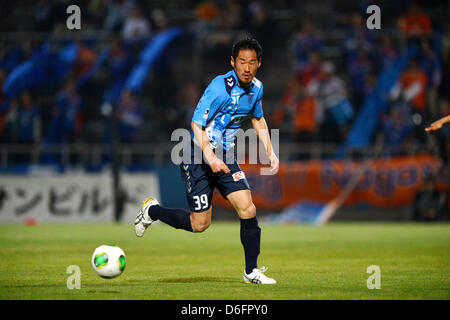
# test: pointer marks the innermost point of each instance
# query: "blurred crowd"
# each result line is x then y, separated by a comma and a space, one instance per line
320, 99
324, 96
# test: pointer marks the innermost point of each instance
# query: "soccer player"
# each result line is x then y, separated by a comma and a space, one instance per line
226, 102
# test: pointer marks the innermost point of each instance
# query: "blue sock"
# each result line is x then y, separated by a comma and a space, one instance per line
177, 218
251, 240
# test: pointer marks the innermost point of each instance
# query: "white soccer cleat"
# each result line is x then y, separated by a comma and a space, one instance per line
257, 276
143, 220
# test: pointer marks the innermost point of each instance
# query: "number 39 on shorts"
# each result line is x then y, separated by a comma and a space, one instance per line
201, 202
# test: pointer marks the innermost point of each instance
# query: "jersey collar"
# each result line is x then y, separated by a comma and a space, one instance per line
236, 79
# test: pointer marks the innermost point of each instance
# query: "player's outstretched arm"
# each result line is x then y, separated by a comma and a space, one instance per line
262, 131
215, 163
437, 125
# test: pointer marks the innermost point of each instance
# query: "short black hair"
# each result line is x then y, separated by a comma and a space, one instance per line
245, 44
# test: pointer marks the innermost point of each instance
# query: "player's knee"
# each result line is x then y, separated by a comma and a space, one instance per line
200, 226
248, 212
200, 222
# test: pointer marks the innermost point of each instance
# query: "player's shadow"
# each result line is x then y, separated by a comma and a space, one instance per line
102, 291
196, 279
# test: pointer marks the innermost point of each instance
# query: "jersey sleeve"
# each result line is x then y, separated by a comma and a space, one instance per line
211, 100
257, 108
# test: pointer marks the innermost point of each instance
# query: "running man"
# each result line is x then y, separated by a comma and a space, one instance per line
226, 102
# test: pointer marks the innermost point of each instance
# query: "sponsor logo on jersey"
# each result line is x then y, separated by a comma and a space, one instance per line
238, 176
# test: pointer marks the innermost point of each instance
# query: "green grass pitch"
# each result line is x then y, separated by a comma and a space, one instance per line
327, 262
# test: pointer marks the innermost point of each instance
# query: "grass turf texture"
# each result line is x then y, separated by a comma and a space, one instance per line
327, 262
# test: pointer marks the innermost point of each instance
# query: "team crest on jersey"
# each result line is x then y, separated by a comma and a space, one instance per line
205, 115
250, 97
238, 175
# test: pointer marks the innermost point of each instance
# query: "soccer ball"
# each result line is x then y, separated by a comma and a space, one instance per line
108, 261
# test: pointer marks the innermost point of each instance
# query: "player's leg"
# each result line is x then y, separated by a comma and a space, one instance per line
200, 221
234, 187
250, 230
199, 185
178, 218
151, 211
250, 236
199, 195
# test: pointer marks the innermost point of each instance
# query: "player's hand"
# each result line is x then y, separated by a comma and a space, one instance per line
218, 165
274, 163
435, 126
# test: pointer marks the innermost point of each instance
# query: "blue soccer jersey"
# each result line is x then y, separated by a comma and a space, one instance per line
224, 106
